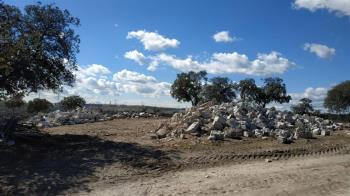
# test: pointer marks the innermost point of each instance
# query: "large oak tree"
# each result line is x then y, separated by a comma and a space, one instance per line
338, 98
37, 48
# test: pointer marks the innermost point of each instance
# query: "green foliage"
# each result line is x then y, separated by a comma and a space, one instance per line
15, 101
249, 91
338, 98
220, 89
188, 86
193, 87
72, 102
274, 90
37, 48
38, 105
304, 106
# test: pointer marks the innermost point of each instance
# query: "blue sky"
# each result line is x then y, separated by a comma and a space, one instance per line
305, 42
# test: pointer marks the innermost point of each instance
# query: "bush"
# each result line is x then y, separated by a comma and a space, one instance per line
38, 105
72, 103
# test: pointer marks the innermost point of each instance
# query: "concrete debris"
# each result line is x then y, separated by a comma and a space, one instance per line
80, 116
216, 135
325, 132
218, 123
193, 127
161, 133
239, 119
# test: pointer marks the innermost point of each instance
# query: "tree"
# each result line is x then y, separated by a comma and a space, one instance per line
15, 101
37, 48
338, 98
72, 102
38, 105
220, 88
188, 86
273, 90
248, 90
304, 106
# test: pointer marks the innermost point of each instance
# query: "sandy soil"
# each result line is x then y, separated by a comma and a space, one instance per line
118, 158
311, 176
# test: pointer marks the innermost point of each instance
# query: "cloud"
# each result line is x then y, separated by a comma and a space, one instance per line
126, 75
95, 69
220, 63
136, 56
340, 7
317, 95
320, 50
153, 40
97, 85
134, 82
223, 36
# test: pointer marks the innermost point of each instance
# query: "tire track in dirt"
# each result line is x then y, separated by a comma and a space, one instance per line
324, 176
213, 159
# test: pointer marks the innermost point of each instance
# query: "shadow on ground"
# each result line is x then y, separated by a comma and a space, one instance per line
52, 164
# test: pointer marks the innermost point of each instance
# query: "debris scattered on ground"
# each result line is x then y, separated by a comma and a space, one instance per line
80, 116
239, 119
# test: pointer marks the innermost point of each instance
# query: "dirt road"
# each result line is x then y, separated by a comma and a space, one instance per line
311, 176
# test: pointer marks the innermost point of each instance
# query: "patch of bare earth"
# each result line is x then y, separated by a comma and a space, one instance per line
118, 158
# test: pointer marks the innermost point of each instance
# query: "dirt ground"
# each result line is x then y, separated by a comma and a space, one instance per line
118, 158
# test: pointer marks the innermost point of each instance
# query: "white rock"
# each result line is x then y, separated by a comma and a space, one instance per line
218, 123
325, 132
194, 127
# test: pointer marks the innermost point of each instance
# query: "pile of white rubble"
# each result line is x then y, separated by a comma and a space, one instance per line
238, 119
80, 116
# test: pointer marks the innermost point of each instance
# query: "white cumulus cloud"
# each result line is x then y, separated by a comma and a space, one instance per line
219, 63
95, 69
126, 75
97, 85
134, 82
317, 95
320, 50
136, 56
223, 36
341, 7
153, 40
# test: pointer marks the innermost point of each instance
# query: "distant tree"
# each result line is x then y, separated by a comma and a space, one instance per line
338, 98
188, 86
303, 107
316, 112
72, 102
37, 48
273, 90
38, 105
14, 101
249, 91
220, 89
